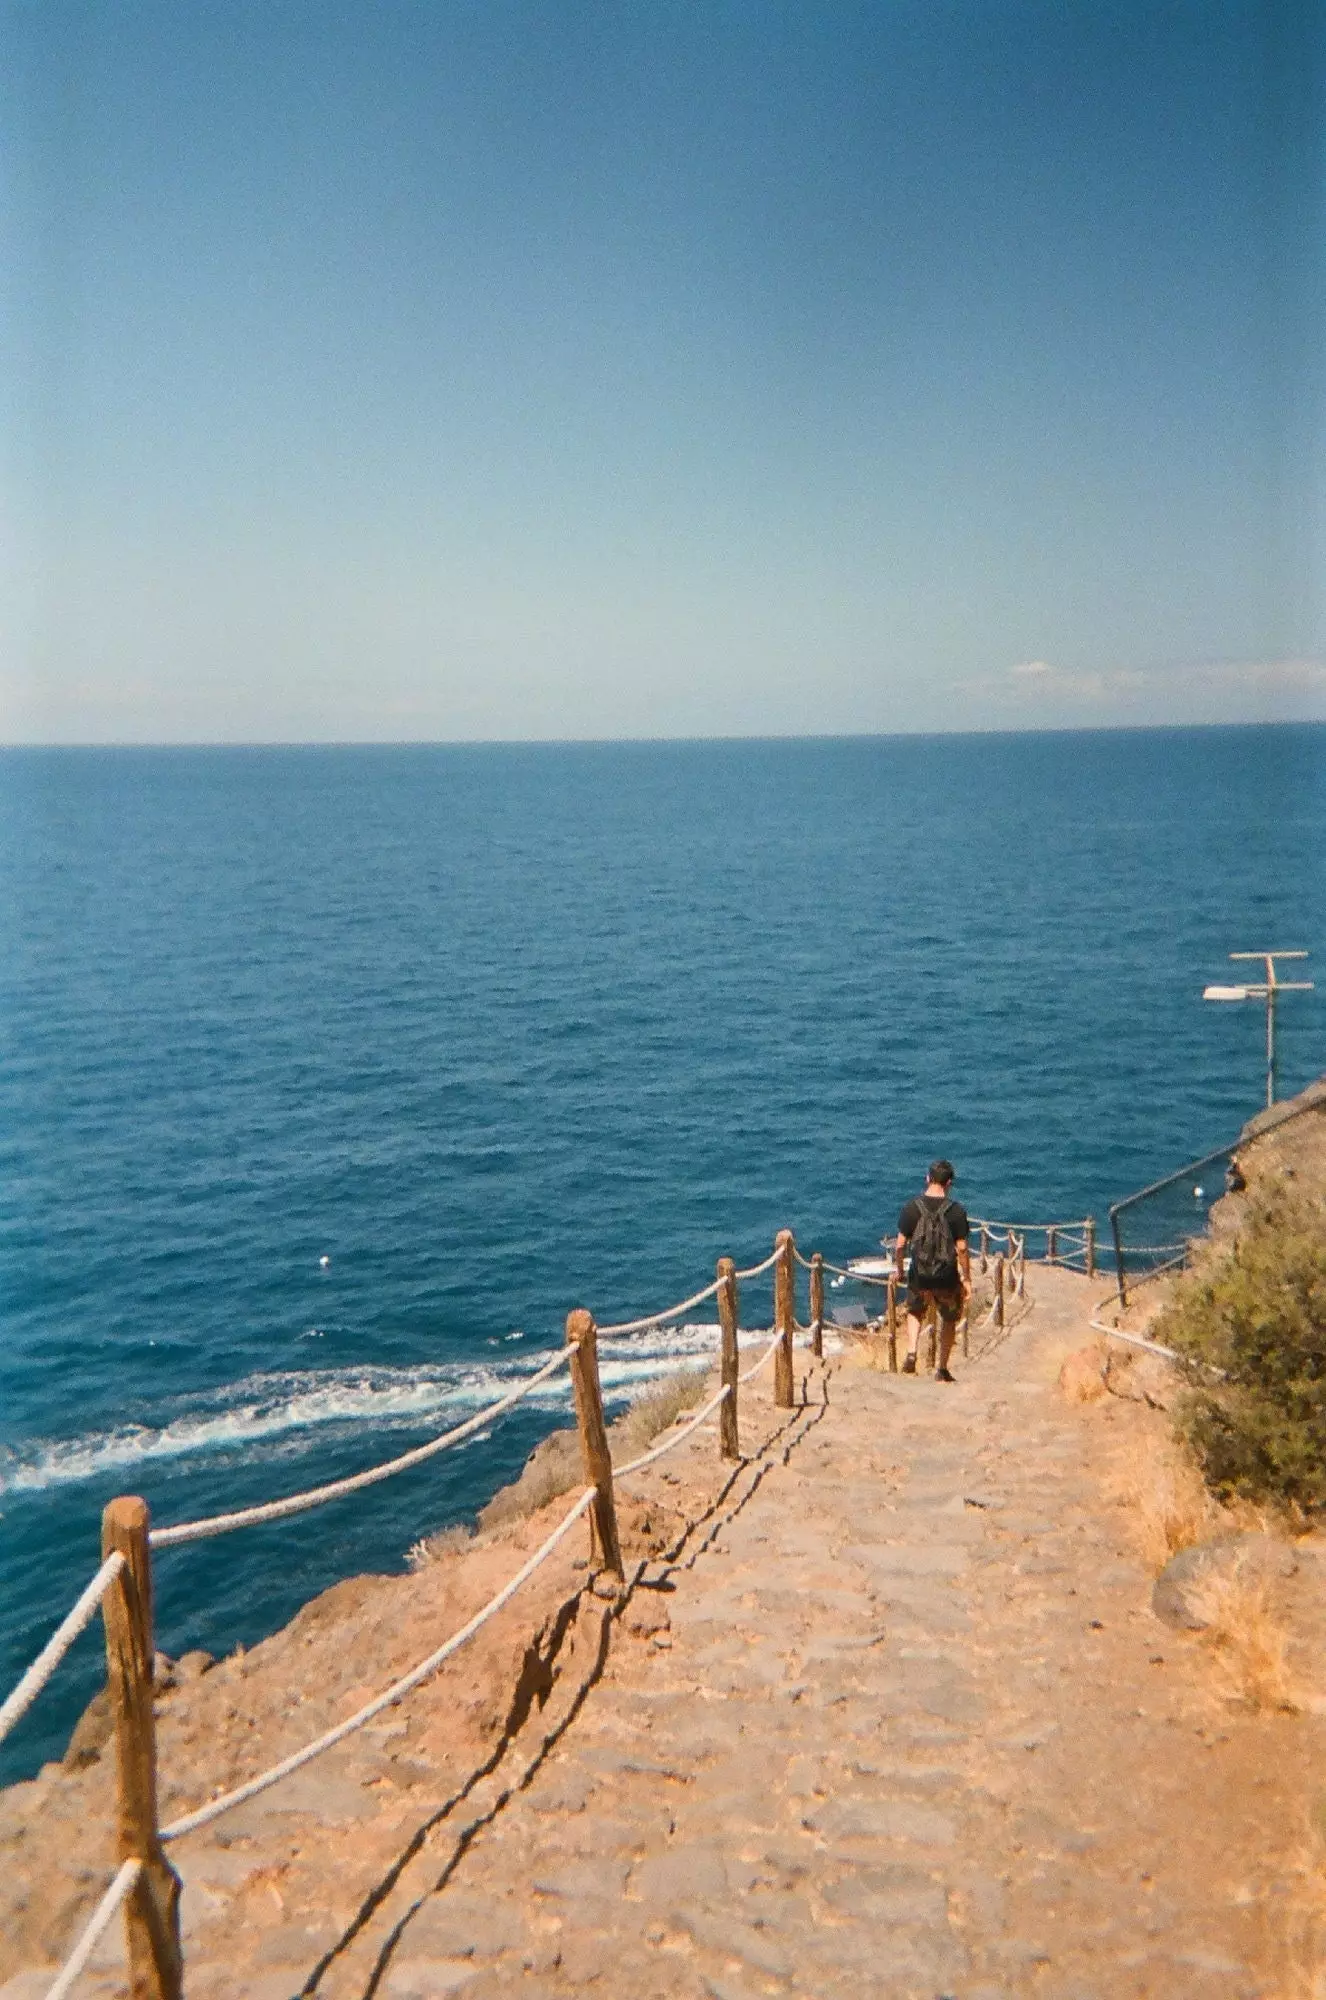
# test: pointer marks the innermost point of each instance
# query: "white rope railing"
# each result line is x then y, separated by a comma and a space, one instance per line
317, 1496
985, 1222
763, 1361
82, 1612
758, 1270
648, 1457
643, 1324
124, 1882
396, 1692
48, 1659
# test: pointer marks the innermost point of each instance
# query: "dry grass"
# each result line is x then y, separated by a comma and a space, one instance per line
1303, 1938
432, 1548
656, 1406
1248, 1642
1168, 1504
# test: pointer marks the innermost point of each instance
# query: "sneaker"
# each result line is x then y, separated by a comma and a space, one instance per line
909, 1365
942, 1375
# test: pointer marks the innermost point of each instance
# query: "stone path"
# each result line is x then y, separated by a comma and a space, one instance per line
894, 1720
881, 1737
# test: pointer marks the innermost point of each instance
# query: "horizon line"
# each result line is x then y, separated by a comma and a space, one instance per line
609, 742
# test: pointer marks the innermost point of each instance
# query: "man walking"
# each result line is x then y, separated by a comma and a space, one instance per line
936, 1228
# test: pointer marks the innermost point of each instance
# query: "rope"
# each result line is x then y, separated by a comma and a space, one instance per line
647, 1458
100, 1918
758, 1270
764, 1359
984, 1222
214, 1809
857, 1277
668, 1312
51, 1654
317, 1496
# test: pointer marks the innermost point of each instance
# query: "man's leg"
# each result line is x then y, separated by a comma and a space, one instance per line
948, 1333
913, 1339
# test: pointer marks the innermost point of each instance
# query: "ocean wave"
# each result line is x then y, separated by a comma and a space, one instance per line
288, 1411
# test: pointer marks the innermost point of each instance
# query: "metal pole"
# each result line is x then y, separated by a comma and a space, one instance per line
1118, 1256
1270, 1033
1270, 992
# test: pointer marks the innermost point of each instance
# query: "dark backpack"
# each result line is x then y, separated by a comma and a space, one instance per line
934, 1253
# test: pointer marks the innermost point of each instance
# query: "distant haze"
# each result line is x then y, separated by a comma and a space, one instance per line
464, 371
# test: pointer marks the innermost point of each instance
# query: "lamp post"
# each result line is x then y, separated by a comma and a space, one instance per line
1269, 992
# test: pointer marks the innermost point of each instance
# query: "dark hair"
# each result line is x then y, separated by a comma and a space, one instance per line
941, 1171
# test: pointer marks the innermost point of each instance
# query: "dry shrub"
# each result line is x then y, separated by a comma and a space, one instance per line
1082, 1375
433, 1548
1169, 1505
1249, 1643
653, 1409
872, 1348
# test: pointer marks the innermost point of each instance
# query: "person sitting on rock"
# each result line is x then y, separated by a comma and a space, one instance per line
939, 1273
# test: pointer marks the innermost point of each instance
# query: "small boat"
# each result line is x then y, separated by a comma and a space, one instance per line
871, 1267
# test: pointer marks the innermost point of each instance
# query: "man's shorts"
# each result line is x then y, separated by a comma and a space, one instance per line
948, 1304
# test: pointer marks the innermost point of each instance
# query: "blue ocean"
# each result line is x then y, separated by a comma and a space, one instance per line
332, 1078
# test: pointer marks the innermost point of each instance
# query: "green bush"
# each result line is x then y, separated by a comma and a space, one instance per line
1257, 1311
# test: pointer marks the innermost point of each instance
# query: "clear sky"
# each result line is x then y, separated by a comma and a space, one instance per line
417, 370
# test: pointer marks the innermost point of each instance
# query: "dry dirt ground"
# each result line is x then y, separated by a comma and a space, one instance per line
886, 1712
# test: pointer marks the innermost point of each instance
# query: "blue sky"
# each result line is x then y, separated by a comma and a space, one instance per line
428, 371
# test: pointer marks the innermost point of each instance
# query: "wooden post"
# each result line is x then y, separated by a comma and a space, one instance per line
729, 1369
1022, 1268
1091, 1246
999, 1291
893, 1325
1051, 1246
985, 1247
784, 1319
151, 1909
817, 1304
582, 1339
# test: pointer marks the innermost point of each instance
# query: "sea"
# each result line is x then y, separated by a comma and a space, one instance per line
331, 1079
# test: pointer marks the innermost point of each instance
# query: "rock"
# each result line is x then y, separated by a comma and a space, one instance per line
1146, 1379
881, 1819
92, 1732
1082, 1377
457, 1925
681, 1874
722, 1932
1176, 1597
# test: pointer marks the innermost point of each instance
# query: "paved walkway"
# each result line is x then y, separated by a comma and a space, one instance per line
880, 1735
893, 1721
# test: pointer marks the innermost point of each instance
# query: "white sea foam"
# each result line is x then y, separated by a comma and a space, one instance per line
284, 1414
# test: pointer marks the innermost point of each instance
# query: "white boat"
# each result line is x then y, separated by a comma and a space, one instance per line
870, 1267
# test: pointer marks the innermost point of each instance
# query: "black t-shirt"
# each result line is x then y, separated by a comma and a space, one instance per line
959, 1228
